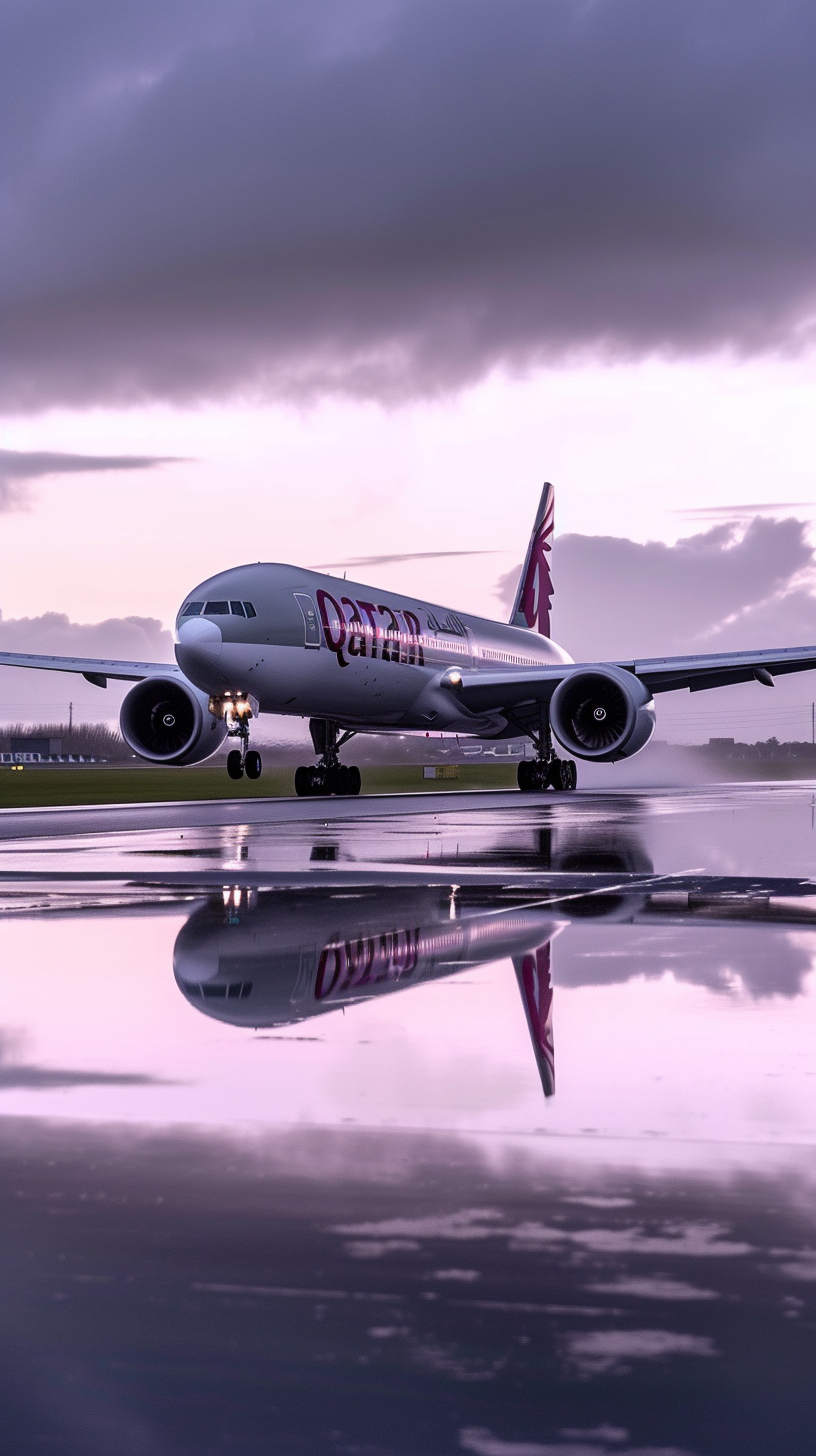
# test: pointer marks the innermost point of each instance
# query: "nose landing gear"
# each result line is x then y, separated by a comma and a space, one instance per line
328, 775
236, 710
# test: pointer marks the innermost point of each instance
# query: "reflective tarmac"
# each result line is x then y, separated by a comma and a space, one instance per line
464, 1123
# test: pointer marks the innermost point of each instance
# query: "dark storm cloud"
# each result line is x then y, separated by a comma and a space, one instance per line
390, 198
28, 695
17, 467
725, 588
141, 639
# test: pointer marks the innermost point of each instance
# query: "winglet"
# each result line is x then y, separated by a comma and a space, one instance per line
535, 589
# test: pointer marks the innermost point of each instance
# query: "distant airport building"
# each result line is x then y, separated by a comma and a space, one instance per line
45, 747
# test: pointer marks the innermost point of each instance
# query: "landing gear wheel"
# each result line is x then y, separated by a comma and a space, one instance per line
336, 779
252, 764
569, 774
533, 776
355, 782
303, 782
318, 784
235, 768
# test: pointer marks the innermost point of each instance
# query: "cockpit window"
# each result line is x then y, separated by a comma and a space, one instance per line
250, 610
193, 609
217, 609
237, 609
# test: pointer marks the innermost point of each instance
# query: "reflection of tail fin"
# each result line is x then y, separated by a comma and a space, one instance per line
535, 589
535, 984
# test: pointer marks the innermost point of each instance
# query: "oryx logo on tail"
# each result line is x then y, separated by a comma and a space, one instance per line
535, 589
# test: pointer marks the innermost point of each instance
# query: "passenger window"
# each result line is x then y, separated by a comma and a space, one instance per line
237, 609
250, 610
193, 609
216, 609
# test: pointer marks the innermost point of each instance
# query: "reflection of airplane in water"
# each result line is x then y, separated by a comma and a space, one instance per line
270, 958
267, 957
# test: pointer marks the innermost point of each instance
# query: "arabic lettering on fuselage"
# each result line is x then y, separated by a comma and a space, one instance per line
355, 628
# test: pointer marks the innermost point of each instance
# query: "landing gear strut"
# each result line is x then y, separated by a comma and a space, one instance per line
329, 775
546, 770
236, 712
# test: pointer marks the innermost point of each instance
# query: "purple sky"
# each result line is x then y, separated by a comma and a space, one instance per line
298, 283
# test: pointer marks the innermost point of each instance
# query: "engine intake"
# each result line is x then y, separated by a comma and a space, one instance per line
603, 714
166, 720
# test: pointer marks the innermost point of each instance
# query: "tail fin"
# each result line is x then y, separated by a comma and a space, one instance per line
535, 983
535, 589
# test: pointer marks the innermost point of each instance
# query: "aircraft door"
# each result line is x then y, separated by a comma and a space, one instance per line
311, 621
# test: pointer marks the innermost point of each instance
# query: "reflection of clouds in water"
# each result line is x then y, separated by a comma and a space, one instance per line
597, 1352
468, 1223
765, 960
589, 1200
653, 1288
377, 1248
804, 1267
451, 1360
16, 1075
578, 1443
691, 1240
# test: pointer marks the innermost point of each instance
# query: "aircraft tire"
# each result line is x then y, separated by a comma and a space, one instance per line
355, 779
235, 768
303, 782
337, 780
530, 778
253, 764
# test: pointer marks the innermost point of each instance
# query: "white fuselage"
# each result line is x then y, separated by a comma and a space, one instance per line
317, 646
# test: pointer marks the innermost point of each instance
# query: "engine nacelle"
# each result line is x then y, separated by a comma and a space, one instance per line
602, 713
167, 720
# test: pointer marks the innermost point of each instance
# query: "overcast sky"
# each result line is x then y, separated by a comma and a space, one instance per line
294, 280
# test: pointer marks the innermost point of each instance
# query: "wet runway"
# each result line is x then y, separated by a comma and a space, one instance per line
434, 1124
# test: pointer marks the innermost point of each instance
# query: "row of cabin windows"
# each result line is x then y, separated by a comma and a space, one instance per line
219, 609
508, 657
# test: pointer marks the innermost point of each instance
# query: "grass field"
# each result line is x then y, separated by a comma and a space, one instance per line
35, 786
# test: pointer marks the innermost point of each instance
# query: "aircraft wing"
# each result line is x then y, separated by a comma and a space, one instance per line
482, 692
95, 670
719, 669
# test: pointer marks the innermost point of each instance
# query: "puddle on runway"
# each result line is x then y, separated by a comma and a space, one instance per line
518, 1160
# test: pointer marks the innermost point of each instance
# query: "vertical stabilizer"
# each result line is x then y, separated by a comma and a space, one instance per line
535, 589
535, 983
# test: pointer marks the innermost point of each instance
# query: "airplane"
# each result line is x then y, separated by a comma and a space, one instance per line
278, 956
281, 639
274, 958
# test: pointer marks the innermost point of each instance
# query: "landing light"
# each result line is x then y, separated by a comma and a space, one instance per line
453, 679
234, 705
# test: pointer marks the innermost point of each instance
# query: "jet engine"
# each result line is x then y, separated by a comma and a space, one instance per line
602, 713
167, 720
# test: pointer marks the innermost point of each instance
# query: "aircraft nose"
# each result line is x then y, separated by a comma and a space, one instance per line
199, 640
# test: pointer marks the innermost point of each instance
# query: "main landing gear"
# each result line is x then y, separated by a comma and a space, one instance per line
329, 775
546, 770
